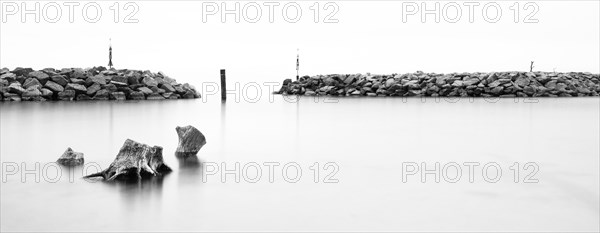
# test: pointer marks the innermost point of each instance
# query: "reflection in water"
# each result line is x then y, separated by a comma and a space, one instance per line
135, 192
223, 126
190, 168
187, 161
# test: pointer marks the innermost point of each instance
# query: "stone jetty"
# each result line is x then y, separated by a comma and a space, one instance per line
494, 84
98, 83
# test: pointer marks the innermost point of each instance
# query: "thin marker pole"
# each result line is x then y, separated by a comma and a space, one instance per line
223, 86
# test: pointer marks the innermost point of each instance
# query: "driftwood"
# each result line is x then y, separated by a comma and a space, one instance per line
135, 160
190, 141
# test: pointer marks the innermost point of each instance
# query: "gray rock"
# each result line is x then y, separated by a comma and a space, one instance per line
78, 74
46, 93
10, 77
60, 79
16, 88
522, 82
83, 97
102, 94
32, 92
120, 79
189, 95
78, 88
136, 95
22, 71
111, 87
191, 140
40, 76
71, 158
31, 82
120, 96
11, 97
167, 87
91, 90
389, 82
155, 96
99, 79
54, 86
145, 90
66, 95
148, 81
77, 81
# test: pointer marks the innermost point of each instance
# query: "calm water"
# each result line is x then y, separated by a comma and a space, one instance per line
367, 139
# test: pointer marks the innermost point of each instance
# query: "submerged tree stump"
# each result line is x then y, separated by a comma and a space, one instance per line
190, 140
135, 160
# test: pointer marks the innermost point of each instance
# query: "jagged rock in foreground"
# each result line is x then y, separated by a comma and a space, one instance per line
71, 158
190, 140
135, 160
495, 84
96, 83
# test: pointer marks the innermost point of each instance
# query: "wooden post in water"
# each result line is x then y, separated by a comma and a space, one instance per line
223, 86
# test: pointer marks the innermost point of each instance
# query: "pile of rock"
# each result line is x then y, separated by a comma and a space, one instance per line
96, 83
496, 84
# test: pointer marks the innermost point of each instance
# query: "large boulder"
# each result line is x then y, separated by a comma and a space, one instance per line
190, 140
10, 77
16, 88
91, 90
46, 93
155, 96
117, 96
31, 82
22, 71
78, 88
136, 95
145, 90
54, 86
135, 161
71, 158
40, 76
66, 95
32, 92
149, 81
60, 79
102, 94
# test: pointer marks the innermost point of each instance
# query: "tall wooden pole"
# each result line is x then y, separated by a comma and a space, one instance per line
223, 86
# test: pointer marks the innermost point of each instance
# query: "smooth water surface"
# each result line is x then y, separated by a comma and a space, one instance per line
368, 139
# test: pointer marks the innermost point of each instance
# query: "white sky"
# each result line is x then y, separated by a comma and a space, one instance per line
369, 37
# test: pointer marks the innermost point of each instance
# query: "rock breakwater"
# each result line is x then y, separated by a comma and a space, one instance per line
494, 84
98, 83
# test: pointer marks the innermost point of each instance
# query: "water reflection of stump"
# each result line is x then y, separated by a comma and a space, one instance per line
188, 160
190, 168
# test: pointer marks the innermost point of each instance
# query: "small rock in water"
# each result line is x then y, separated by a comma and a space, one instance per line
190, 140
71, 158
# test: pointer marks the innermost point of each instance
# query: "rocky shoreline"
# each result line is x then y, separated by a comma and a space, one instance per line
494, 84
98, 83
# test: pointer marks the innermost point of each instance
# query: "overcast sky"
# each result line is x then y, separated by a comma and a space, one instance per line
370, 36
